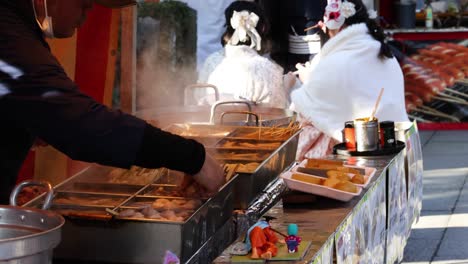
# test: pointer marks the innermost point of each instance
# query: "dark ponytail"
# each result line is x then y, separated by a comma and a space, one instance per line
375, 30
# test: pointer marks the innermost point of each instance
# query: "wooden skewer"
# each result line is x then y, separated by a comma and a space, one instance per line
419, 118
312, 27
453, 97
456, 92
431, 114
439, 113
444, 99
436, 113
276, 231
376, 104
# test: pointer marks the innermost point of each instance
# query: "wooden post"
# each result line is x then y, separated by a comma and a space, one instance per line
128, 60
112, 58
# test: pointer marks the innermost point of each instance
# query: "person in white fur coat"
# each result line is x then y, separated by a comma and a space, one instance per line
239, 71
343, 81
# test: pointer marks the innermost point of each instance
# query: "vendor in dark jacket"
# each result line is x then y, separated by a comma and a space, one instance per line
38, 99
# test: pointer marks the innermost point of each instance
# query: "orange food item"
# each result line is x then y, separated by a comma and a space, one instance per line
346, 186
358, 179
331, 182
333, 174
308, 179
347, 170
319, 162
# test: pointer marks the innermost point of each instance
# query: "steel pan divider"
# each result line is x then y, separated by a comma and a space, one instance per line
113, 210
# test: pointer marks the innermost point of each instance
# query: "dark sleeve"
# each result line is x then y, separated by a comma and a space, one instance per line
160, 148
86, 130
35, 93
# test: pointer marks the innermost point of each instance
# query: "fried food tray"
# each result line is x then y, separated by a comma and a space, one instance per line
135, 223
107, 208
260, 154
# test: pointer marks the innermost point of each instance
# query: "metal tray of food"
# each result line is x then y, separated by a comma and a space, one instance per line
112, 218
260, 154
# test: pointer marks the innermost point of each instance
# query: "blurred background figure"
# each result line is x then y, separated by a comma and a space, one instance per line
239, 71
336, 85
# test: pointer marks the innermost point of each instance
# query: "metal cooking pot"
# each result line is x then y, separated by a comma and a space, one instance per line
27, 235
268, 116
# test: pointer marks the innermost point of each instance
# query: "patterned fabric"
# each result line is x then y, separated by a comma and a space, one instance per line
313, 143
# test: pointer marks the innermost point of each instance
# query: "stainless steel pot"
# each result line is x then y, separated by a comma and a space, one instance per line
268, 116
27, 235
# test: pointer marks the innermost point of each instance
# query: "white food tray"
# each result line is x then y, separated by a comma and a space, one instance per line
317, 189
369, 172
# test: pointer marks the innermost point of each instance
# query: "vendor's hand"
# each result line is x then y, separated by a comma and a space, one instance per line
289, 80
322, 26
211, 175
303, 71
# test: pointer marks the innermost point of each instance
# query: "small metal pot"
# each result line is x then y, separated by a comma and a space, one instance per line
367, 134
27, 235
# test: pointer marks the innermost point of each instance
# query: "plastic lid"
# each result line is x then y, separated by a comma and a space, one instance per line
387, 124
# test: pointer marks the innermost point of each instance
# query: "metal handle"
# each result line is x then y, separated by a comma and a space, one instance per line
215, 105
21, 186
240, 112
198, 86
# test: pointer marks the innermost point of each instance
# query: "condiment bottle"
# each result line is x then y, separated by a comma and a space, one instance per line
349, 138
387, 134
429, 15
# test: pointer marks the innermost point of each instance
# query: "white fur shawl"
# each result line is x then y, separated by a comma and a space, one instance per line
345, 81
244, 74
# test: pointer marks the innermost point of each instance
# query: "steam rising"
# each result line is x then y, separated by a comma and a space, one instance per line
163, 70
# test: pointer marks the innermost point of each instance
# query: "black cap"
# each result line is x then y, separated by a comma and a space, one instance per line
349, 124
387, 124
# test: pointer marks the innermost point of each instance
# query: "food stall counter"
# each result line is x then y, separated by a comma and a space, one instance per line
357, 227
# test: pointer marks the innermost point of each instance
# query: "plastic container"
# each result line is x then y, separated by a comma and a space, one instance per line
387, 134
317, 189
405, 14
368, 174
349, 138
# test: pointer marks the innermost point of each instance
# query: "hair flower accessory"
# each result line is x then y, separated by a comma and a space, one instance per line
244, 24
372, 13
336, 12
347, 9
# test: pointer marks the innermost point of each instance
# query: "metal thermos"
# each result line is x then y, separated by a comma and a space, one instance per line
367, 134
